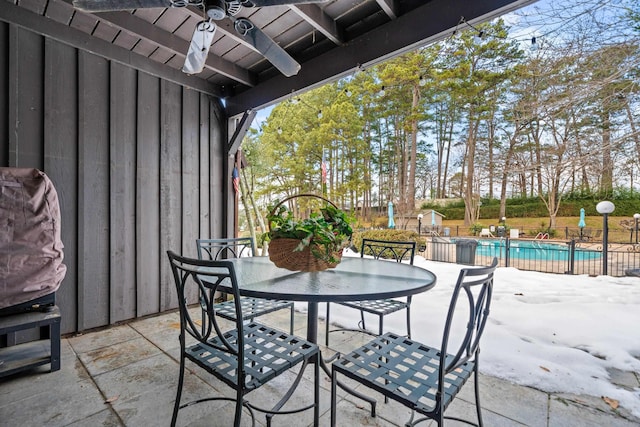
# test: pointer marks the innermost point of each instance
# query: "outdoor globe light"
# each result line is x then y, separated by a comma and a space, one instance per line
605, 208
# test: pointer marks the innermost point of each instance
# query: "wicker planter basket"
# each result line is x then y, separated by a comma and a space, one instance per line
283, 254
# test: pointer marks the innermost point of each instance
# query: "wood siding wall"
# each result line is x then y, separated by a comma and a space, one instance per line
137, 162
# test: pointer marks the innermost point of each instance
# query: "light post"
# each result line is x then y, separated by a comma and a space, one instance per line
636, 216
420, 223
605, 208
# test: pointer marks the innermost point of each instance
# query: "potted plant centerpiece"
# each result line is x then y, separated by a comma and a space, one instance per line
311, 244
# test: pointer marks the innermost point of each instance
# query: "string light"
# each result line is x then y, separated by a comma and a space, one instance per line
319, 114
477, 38
348, 93
382, 92
534, 45
422, 81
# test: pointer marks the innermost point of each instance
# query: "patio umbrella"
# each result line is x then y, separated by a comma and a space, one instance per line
433, 217
581, 223
391, 223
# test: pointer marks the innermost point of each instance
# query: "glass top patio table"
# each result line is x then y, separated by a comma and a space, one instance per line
354, 279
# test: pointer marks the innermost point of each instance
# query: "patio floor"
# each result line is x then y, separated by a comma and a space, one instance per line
126, 375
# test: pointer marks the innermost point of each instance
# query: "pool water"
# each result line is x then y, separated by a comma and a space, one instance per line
527, 249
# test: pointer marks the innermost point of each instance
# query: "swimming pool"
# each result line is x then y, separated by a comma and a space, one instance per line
529, 249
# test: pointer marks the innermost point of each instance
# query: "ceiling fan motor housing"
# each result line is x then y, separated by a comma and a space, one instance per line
216, 9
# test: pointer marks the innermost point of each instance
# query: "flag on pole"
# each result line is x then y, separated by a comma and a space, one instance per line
323, 168
236, 179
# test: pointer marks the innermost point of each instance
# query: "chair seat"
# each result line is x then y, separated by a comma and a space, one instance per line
251, 307
403, 370
378, 306
268, 353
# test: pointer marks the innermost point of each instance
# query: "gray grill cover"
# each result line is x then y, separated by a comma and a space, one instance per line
30, 246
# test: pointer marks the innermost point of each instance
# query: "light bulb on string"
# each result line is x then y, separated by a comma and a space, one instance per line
382, 91
279, 131
319, 114
348, 93
422, 81
478, 37
534, 44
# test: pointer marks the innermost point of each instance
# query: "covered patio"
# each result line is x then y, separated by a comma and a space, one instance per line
141, 156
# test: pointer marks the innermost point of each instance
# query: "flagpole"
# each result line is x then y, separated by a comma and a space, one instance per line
323, 175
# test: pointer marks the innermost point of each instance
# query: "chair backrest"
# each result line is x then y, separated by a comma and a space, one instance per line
386, 249
217, 249
206, 276
475, 286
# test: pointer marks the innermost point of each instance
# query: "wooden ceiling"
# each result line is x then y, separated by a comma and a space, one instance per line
329, 39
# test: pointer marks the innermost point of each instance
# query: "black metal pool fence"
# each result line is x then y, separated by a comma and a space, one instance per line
548, 256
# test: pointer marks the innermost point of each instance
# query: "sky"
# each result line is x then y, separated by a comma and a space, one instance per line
556, 333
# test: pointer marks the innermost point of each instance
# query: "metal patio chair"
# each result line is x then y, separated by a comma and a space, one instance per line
420, 377
218, 249
245, 357
396, 251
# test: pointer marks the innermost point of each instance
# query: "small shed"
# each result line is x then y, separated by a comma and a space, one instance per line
431, 220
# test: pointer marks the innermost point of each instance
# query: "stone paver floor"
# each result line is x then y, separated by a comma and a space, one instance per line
126, 375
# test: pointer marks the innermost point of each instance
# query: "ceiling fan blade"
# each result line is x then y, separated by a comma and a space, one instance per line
199, 47
114, 5
261, 3
267, 47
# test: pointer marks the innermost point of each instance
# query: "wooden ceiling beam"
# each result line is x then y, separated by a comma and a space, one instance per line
319, 20
390, 7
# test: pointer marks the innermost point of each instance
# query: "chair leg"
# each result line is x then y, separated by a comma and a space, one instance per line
291, 321
477, 392
316, 395
326, 326
176, 406
408, 321
362, 320
334, 383
238, 415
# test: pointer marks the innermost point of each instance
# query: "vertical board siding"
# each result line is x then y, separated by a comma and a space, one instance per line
4, 93
217, 201
93, 200
205, 158
190, 176
123, 193
149, 257
136, 161
190, 171
61, 160
26, 57
170, 186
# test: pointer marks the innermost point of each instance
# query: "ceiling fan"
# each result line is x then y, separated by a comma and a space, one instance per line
213, 10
